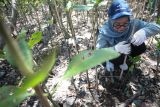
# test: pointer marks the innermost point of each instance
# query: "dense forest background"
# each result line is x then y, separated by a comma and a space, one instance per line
39, 38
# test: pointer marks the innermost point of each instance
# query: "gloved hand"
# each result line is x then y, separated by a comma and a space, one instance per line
109, 66
139, 37
123, 47
123, 67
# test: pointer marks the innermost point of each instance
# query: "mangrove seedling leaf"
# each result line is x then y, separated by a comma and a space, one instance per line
27, 54
88, 59
8, 98
40, 75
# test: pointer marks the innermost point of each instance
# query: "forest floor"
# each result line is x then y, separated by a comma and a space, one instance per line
139, 86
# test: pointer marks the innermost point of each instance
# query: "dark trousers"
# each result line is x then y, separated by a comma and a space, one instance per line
135, 51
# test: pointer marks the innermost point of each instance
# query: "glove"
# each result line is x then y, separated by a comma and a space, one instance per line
139, 37
123, 67
123, 47
109, 66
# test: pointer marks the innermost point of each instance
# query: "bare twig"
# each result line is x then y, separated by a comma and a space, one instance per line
89, 86
50, 97
72, 29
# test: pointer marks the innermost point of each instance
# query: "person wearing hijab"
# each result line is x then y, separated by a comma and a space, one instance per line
124, 34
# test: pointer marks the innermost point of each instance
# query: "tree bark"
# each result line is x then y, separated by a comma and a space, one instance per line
158, 15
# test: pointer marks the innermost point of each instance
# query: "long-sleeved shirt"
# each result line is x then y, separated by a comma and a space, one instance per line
108, 37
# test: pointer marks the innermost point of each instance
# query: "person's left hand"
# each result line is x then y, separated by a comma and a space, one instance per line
109, 66
139, 37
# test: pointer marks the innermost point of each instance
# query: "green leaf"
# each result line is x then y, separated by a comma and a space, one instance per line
158, 45
2, 55
50, 21
9, 99
88, 59
98, 1
35, 38
69, 5
158, 20
82, 7
19, 94
25, 51
158, 42
41, 73
135, 59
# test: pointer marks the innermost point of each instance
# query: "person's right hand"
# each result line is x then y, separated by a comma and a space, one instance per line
123, 47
